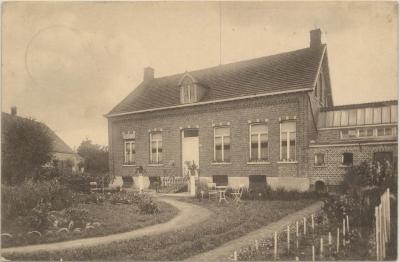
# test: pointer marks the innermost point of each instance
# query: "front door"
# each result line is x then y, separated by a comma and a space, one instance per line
190, 148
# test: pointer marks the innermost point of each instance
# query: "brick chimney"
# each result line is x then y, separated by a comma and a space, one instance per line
315, 38
148, 74
13, 110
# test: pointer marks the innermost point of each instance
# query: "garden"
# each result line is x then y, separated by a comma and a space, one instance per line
227, 222
345, 229
53, 210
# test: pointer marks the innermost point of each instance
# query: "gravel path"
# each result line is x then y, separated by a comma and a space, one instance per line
188, 215
223, 252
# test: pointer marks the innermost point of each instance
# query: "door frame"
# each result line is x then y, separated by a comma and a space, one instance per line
181, 147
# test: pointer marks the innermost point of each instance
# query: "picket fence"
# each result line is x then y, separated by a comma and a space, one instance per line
382, 225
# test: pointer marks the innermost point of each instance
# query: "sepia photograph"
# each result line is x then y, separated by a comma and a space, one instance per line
199, 131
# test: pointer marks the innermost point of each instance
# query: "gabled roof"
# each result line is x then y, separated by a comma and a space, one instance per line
59, 146
285, 72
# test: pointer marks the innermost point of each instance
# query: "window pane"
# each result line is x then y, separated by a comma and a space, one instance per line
368, 116
284, 146
218, 141
388, 131
370, 132
156, 136
386, 114
345, 118
360, 116
160, 157
321, 119
259, 129
336, 118
352, 133
222, 131
347, 159
381, 131
153, 147
289, 126
352, 117
254, 147
160, 146
319, 159
264, 147
227, 153
292, 153
393, 113
329, 119
127, 151
362, 132
344, 133
377, 115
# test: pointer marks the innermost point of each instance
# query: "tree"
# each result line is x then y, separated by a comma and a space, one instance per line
96, 157
26, 147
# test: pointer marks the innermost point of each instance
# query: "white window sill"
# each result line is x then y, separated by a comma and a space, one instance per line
322, 166
155, 164
287, 162
221, 163
128, 164
345, 166
258, 163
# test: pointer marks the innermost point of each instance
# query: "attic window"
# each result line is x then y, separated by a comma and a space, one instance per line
188, 93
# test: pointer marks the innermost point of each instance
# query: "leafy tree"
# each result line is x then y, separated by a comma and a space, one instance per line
96, 157
26, 147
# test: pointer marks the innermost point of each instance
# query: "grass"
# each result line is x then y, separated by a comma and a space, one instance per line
113, 219
227, 222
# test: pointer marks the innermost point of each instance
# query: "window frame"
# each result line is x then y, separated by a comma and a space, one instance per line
151, 139
251, 133
343, 158
191, 91
287, 159
222, 145
132, 158
316, 159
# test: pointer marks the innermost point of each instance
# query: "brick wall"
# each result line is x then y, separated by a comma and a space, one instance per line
332, 172
237, 113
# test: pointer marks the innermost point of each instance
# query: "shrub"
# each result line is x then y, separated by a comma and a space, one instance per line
20, 200
39, 216
147, 206
79, 216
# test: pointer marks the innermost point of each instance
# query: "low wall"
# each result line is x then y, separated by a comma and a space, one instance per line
289, 183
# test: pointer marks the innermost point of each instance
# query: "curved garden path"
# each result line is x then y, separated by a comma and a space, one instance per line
188, 215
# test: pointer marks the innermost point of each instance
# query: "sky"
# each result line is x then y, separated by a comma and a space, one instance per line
68, 63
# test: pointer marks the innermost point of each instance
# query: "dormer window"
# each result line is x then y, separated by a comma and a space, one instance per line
188, 93
191, 90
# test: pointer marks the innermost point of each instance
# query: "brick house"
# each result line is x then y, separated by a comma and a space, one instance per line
254, 121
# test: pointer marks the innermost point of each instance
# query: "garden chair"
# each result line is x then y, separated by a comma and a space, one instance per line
212, 191
237, 195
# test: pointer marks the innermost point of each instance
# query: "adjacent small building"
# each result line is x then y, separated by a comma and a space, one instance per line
63, 157
265, 120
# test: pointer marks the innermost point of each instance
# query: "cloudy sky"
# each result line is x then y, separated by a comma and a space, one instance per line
68, 63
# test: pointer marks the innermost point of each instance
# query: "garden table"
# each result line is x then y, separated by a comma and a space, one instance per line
222, 190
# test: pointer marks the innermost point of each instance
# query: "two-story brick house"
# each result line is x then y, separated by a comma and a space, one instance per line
247, 122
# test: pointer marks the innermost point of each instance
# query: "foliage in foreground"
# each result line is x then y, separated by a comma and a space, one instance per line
25, 148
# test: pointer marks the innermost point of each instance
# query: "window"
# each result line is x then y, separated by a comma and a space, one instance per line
348, 133
368, 116
222, 144
377, 115
258, 142
393, 113
319, 159
336, 118
360, 116
385, 131
345, 118
347, 159
288, 141
130, 150
352, 117
188, 93
156, 152
221, 180
365, 132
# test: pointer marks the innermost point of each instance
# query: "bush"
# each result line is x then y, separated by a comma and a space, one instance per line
147, 206
20, 200
79, 216
39, 216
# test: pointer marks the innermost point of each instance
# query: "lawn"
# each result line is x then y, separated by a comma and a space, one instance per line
113, 218
227, 222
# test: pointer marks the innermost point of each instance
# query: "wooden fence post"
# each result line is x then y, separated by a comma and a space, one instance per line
337, 240
344, 233
313, 253
377, 233
275, 245
297, 229
329, 238
288, 238
348, 224
321, 251
305, 225
312, 222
